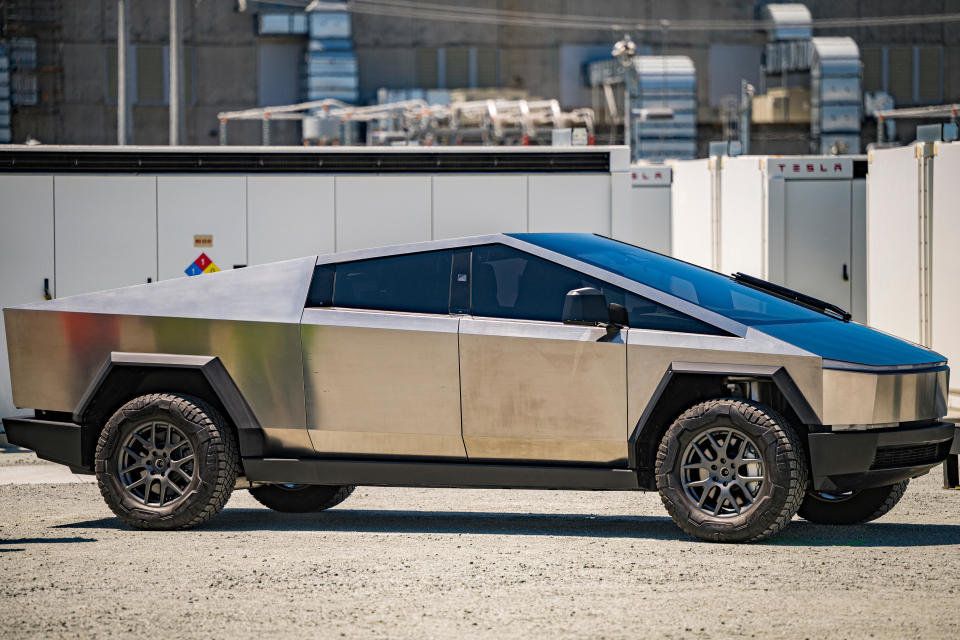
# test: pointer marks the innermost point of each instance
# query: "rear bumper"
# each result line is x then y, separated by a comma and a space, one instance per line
61, 442
862, 460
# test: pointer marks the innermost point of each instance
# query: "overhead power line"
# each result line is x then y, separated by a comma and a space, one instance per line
435, 11
442, 12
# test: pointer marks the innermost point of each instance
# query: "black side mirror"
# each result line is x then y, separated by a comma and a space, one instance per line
586, 306
618, 315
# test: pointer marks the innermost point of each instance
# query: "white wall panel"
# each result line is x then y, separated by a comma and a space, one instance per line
477, 205
571, 203
374, 211
946, 260
893, 263
649, 222
26, 254
858, 249
742, 213
200, 205
106, 232
690, 211
289, 217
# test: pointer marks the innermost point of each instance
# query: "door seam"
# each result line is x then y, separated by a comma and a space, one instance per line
466, 455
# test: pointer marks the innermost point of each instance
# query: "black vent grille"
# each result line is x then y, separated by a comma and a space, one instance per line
209, 161
912, 456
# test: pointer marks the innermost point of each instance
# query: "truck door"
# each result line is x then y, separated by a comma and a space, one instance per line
380, 359
534, 389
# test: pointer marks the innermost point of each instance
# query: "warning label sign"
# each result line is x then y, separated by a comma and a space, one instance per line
202, 264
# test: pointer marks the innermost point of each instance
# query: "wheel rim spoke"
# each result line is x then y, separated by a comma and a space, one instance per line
708, 482
146, 467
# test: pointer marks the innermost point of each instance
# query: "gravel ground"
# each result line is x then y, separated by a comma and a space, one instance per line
14, 456
414, 563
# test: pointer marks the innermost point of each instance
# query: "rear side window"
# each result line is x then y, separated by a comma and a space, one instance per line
508, 283
417, 283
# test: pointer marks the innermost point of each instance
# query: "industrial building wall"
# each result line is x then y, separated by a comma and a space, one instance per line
918, 64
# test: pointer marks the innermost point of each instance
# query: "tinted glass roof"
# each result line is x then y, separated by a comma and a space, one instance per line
808, 329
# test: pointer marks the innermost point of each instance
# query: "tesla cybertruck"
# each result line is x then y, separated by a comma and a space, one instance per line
550, 361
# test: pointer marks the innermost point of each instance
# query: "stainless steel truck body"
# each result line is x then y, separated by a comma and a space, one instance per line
562, 361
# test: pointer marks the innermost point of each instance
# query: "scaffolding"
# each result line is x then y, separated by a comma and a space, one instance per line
411, 122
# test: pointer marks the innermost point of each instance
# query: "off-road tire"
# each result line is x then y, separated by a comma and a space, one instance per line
300, 498
784, 468
214, 471
856, 508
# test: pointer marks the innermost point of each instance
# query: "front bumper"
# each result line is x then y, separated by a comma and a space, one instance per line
62, 442
847, 461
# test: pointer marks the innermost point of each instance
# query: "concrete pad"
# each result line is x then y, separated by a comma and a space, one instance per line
41, 474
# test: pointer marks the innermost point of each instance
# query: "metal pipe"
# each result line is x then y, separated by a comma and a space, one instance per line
174, 72
746, 112
223, 132
123, 116
265, 130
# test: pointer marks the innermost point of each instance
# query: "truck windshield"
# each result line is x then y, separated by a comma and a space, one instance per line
824, 335
702, 287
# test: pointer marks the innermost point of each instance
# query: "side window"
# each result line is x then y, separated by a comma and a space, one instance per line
647, 314
508, 283
418, 283
512, 284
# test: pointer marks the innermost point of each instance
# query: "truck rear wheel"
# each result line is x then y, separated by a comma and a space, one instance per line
731, 470
166, 461
300, 498
852, 507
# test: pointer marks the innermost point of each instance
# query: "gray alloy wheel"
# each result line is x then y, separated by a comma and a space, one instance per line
731, 470
722, 472
166, 461
156, 464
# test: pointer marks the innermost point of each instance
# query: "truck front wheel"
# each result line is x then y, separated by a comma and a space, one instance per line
731, 470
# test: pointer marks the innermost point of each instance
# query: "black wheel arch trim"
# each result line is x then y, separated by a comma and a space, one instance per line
249, 433
778, 375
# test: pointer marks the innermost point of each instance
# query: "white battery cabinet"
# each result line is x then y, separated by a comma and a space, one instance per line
797, 221
648, 224
944, 305
692, 212
913, 229
81, 219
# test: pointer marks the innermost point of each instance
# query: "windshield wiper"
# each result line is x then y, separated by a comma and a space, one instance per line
802, 299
